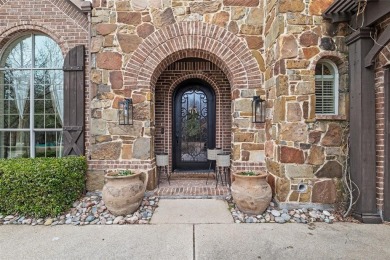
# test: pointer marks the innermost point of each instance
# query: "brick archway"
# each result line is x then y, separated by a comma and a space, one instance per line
230, 55
168, 83
14, 32
192, 39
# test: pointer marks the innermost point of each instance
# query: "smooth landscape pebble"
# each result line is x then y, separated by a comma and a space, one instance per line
90, 210
275, 215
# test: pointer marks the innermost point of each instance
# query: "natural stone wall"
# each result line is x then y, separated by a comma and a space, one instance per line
305, 152
134, 41
382, 60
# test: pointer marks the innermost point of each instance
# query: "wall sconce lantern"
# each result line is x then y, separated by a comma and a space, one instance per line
125, 112
258, 110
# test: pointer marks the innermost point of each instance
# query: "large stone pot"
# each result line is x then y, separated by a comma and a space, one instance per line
252, 194
123, 195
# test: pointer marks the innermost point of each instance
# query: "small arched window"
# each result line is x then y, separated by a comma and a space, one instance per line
327, 88
31, 98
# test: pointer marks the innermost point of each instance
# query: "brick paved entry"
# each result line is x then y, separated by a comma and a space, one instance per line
190, 184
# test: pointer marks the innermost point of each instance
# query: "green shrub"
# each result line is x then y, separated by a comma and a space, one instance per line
41, 186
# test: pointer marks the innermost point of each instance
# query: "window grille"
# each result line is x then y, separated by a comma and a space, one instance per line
31, 98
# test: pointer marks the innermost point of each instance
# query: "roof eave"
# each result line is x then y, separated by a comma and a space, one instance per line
340, 11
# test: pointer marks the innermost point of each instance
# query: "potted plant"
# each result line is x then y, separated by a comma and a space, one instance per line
251, 192
123, 191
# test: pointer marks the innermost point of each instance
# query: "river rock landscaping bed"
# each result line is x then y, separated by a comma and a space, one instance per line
275, 215
90, 210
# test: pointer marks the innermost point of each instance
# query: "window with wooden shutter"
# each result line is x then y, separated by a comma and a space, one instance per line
74, 102
326, 88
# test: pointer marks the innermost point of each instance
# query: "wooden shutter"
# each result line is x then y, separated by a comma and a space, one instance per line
74, 102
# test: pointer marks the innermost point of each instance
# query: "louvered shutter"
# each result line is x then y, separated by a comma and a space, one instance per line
325, 84
74, 81
325, 96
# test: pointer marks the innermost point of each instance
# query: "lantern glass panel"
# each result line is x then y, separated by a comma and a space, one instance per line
258, 110
125, 112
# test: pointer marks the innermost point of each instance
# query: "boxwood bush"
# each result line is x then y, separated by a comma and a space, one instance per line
40, 187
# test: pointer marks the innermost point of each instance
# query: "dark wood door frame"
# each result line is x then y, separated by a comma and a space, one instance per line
211, 108
386, 190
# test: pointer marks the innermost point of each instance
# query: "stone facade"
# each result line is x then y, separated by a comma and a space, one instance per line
306, 153
281, 42
242, 49
134, 42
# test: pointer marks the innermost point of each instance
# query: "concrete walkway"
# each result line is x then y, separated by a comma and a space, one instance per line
192, 211
196, 229
197, 241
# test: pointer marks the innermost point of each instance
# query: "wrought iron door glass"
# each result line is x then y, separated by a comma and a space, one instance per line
193, 126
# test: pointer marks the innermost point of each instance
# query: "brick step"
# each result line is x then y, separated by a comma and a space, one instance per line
185, 175
208, 191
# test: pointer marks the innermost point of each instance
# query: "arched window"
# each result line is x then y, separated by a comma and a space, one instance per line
327, 88
31, 98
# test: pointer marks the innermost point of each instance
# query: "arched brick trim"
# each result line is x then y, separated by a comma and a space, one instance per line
336, 57
383, 58
12, 33
192, 75
197, 39
72, 11
68, 8
2, 2
169, 97
185, 54
379, 45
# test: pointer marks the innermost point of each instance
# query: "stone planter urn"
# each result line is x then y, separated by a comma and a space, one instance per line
251, 192
123, 194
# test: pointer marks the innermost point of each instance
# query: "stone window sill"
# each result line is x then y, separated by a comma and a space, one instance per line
331, 117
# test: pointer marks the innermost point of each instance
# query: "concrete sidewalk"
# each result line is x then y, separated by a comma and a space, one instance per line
192, 211
197, 241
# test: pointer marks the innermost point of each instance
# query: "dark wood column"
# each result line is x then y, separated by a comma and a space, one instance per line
386, 213
362, 127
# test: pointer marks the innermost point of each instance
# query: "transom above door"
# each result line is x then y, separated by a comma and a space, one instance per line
193, 124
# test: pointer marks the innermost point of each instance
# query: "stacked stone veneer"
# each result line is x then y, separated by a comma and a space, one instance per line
133, 44
383, 59
305, 152
267, 48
